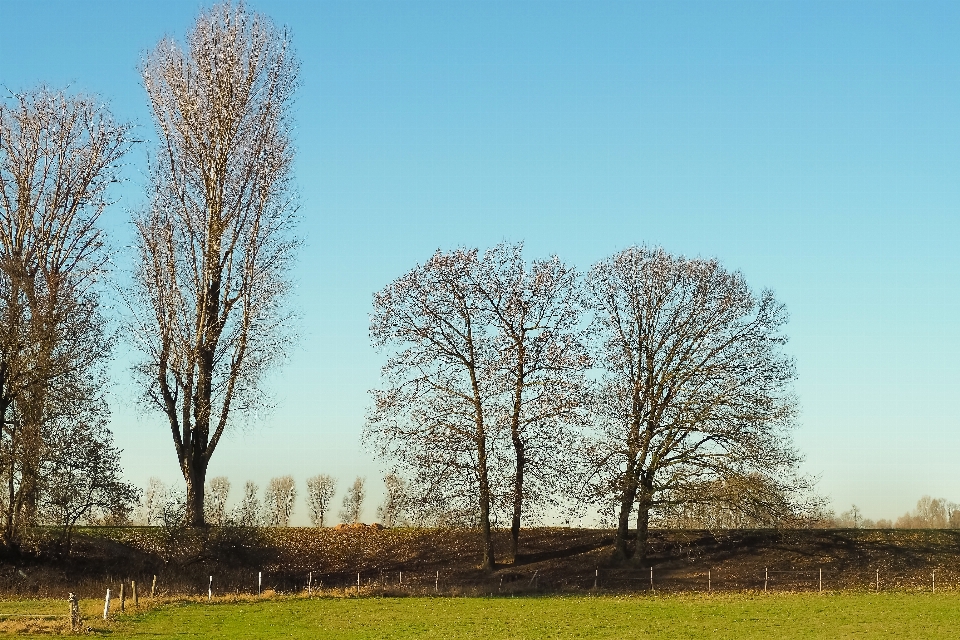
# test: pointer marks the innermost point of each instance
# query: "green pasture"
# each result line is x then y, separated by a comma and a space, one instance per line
834, 615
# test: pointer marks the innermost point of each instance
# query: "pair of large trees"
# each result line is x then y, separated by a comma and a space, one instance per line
214, 246
654, 381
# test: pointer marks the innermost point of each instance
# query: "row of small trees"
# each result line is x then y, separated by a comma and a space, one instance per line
930, 513
166, 506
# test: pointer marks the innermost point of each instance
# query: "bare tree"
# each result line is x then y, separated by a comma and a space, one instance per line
148, 513
536, 313
432, 419
82, 479
58, 156
392, 511
320, 490
215, 501
215, 245
278, 501
353, 502
695, 387
248, 513
931, 513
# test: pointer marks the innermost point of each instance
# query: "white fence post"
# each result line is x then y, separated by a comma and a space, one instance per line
766, 577
106, 605
210, 590
259, 582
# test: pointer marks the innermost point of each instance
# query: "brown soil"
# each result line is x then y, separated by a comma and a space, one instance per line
446, 560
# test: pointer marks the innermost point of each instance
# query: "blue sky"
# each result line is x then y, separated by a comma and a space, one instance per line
815, 146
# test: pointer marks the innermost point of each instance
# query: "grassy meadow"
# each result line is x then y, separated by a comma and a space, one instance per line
729, 615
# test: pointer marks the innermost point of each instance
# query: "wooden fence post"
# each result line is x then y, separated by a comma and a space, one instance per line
123, 597
820, 580
709, 589
133, 588
153, 588
74, 613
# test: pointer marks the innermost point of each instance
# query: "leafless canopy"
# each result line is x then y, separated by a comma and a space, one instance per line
536, 315
695, 389
215, 244
353, 501
58, 156
484, 377
278, 501
320, 490
431, 418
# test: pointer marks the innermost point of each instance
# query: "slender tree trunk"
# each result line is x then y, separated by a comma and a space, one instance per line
517, 499
520, 451
620, 551
488, 562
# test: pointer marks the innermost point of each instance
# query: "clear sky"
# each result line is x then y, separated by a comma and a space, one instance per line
815, 146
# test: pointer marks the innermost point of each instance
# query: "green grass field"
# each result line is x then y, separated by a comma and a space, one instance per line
843, 615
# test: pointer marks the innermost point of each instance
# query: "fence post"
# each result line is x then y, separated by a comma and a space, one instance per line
106, 605
210, 590
596, 578
310, 584
123, 598
259, 582
437, 586
133, 588
401, 579
74, 613
878, 580
358, 583
709, 589
934, 581
766, 577
651, 578
153, 588
820, 580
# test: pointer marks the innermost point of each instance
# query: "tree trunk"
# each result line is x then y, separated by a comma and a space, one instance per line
519, 450
195, 478
517, 502
621, 553
488, 562
643, 523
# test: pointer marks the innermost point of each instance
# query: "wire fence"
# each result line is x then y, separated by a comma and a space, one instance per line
509, 581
